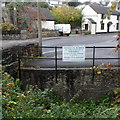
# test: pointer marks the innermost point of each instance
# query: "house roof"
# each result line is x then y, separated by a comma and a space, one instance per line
47, 14
91, 20
100, 9
32, 12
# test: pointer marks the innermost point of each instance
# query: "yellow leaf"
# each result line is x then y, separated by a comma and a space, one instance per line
111, 104
116, 91
98, 72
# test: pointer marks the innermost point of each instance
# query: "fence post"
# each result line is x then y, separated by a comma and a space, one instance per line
93, 70
56, 64
19, 70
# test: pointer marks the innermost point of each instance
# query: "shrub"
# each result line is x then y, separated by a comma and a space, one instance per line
8, 27
34, 103
87, 33
31, 103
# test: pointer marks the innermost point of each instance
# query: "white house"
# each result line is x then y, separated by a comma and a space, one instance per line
30, 15
94, 14
47, 22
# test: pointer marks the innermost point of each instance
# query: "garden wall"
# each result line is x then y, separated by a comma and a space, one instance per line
77, 82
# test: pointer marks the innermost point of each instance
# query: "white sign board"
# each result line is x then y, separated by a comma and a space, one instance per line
73, 53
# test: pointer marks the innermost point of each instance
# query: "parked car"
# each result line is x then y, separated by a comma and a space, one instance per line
63, 29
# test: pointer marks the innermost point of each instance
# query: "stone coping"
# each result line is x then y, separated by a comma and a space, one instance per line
39, 68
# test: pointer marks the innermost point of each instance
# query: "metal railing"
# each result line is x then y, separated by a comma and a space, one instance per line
93, 58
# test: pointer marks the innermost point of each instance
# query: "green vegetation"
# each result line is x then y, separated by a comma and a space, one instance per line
44, 5
34, 103
8, 27
68, 15
74, 3
87, 33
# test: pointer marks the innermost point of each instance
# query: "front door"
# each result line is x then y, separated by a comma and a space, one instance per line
108, 27
86, 27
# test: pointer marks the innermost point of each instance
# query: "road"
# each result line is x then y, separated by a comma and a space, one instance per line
88, 40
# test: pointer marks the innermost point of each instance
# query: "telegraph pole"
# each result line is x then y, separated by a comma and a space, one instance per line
39, 27
15, 13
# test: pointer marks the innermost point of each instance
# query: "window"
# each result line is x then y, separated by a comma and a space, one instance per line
117, 26
3, 20
102, 26
102, 16
117, 17
86, 26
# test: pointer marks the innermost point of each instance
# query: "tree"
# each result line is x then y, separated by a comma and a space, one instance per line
73, 4
68, 15
44, 5
14, 9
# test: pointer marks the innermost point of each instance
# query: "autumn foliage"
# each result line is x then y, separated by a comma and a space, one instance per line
68, 15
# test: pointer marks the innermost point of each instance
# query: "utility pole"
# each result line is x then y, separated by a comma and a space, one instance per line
15, 13
39, 27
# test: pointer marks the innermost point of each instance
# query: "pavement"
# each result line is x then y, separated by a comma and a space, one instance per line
4, 44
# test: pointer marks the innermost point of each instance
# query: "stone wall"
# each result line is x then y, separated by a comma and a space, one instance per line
27, 35
76, 84
49, 33
9, 60
20, 36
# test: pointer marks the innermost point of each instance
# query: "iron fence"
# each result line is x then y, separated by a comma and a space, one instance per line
55, 58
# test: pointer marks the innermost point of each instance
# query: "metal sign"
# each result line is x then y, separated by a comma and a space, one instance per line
73, 53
